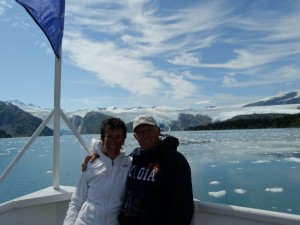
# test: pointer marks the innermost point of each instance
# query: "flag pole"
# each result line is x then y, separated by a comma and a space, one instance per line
56, 122
57, 115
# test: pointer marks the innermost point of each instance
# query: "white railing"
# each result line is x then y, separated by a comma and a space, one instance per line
49, 206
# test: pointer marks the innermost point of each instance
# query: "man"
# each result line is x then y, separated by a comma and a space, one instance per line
158, 187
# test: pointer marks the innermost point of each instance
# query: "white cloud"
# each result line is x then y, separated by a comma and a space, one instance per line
228, 80
144, 34
179, 88
187, 59
189, 75
131, 33
203, 102
188, 52
112, 65
3, 6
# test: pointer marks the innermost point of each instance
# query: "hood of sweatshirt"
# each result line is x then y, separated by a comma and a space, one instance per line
166, 144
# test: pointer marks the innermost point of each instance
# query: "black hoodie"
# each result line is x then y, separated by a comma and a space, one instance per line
159, 187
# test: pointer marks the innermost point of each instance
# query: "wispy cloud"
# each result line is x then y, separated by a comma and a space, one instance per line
196, 52
131, 35
3, 6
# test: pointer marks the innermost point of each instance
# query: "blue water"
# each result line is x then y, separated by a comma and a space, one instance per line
251, 168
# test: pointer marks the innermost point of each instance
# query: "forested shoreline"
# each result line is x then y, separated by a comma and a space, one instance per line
254, 121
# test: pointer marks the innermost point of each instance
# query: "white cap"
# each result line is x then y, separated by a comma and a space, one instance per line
144, 119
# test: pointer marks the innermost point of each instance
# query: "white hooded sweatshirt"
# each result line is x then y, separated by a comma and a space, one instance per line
100, 191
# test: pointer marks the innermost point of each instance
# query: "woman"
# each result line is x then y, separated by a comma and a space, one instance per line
100, 191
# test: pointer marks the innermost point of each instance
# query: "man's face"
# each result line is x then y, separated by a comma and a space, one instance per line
113, 142
147, 136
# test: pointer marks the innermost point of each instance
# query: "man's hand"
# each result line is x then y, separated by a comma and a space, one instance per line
89, 158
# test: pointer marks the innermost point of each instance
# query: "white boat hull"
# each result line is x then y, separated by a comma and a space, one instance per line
49, 206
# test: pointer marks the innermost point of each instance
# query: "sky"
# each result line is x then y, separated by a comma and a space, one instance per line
173, 53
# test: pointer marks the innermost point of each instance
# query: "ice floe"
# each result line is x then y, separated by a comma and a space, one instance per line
275, 189
240, 191
217, 194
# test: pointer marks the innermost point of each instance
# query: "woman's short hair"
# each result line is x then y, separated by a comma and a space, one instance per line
112, 123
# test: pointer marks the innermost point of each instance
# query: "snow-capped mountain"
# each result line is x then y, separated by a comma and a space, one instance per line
287, 103
31, 108
286, 98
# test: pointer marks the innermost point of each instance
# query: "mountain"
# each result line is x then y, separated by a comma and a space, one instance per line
88, 121
90, 124
16, 122
287, 98
3, 134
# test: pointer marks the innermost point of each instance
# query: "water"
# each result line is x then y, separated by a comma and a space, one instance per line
251, 168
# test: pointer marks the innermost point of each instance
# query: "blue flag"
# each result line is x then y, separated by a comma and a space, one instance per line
49, 16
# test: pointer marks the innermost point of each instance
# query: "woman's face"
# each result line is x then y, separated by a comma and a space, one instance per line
113, 142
